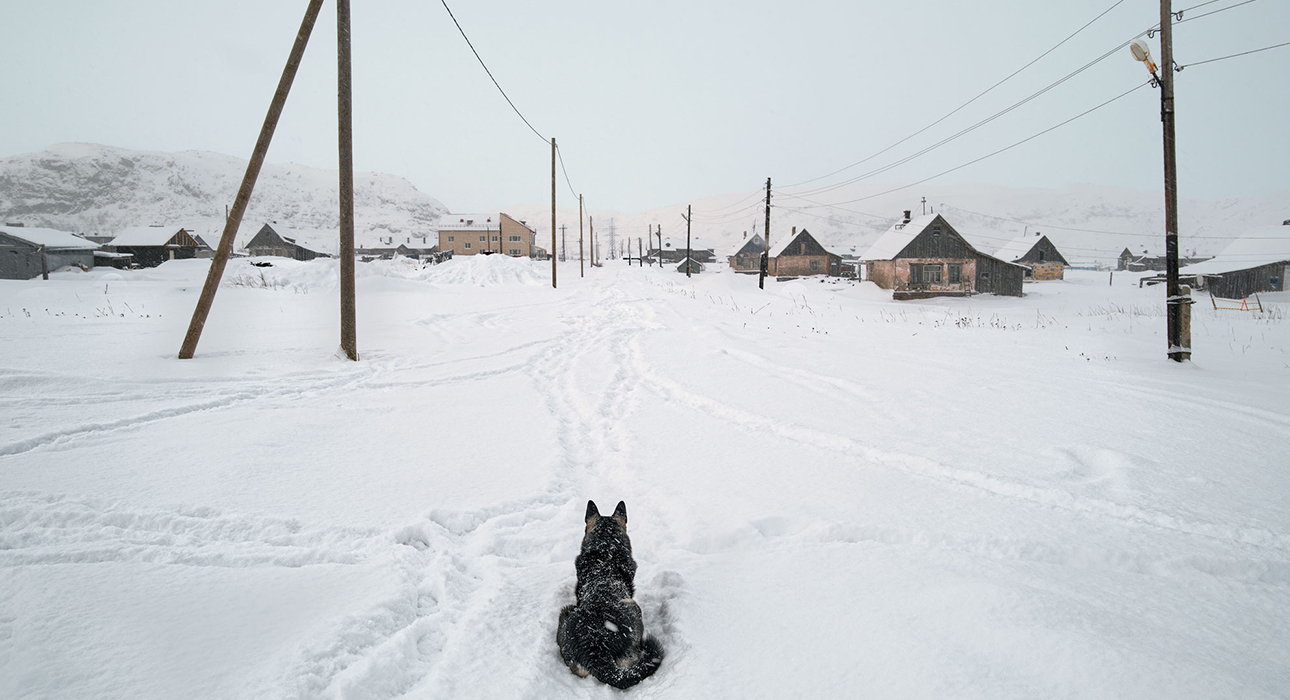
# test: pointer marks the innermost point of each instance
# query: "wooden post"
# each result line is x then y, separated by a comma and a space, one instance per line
591, 238
765, 255
44, 263
345, 128
564, 243
1179, 347
640, 252
581, 272
499, 237
688, 214
225, 248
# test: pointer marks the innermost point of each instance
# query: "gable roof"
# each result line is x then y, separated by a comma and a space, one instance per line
1018, 247
325, 241
146, 235
752, 245
52, 239
783, 243
1258, 247
897, 237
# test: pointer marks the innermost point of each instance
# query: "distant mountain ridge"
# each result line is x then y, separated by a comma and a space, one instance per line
99, 190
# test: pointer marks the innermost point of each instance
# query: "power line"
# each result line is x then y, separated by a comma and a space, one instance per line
1001, 150
965, 104
1213, 12
1224, 58
559, 152
489, 72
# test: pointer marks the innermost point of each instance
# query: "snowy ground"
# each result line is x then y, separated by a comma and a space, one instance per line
830, 494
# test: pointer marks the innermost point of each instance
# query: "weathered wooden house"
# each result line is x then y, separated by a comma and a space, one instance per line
1038, 254
691, 266
298, 244
1156, 263
925, 257
674, 251
152, 245
748, 257
800, 255
27, 252
473, 234
1259, 261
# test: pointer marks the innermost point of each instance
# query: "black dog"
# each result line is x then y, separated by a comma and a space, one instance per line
604, 635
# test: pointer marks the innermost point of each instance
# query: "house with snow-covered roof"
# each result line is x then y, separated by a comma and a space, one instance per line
1258, 261
298, 244
152, 245
748, 257
673, 250
800, 255
475, 234
1042, 259
27, 252
921, 257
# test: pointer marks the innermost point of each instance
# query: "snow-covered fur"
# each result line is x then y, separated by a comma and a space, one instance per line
603, 634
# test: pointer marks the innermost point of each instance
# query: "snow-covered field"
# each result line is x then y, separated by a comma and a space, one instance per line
830, 494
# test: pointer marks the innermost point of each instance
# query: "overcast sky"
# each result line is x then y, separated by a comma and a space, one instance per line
661, 102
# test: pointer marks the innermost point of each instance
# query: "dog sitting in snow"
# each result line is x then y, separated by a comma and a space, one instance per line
603, 634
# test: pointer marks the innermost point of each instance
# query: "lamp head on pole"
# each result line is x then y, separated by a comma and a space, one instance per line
1142, 52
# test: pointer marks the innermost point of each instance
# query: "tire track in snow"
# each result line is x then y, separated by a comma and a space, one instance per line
853, 450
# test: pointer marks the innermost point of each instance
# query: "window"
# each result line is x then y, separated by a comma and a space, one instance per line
956, 273
514, 239
815, 266
467, 245
514, 251
932, 274
451, 238
494, 237
483, 239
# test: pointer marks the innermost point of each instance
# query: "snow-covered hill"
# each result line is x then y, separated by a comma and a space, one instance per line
95, 189
1087, 222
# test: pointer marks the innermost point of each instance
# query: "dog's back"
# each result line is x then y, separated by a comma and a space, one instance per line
604, 633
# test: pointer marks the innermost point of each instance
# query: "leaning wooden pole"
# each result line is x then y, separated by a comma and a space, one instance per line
552, 213
345, 128
234, 220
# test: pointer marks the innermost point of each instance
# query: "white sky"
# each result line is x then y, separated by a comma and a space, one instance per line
662, 102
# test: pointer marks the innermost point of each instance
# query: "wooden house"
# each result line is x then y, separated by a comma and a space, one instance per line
152, 245
27, 252
297, 244
674, 251
473, 234
1038, 254
800, 255
925, 257
1259, 261
691, 266
748, 257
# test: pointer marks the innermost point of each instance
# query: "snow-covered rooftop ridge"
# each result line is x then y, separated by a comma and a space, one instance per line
48, 237
146, 235
315, 239
1018, 247
469, 222
897, 237
1257, 247
675, 243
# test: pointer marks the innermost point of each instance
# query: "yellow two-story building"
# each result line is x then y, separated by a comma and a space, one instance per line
473, 234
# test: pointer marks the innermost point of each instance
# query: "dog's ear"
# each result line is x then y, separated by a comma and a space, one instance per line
592, 511
620, 514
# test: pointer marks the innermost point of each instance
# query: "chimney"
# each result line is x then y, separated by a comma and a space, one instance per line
907, 217
794, 230
1283, 223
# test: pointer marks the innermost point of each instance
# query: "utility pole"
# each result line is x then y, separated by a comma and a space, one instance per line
345, 128
924, 205
234, 219
688, 214
660, 246
581, 273
591, 236
552, 213
564, 243
765, 254
44, 263
640, 252
1179, 347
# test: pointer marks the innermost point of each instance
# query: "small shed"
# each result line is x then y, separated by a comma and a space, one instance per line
800, 255
921, 257
1038, 254
22, 247
690, 265
298, 244
748, 257
1258, 261
153, 245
